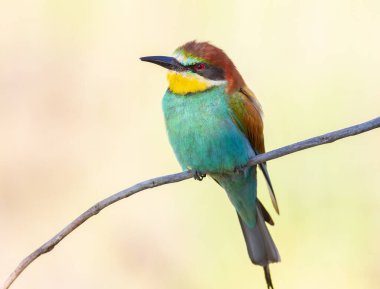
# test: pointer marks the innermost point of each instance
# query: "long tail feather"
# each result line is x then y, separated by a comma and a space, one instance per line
261, 248
268, 278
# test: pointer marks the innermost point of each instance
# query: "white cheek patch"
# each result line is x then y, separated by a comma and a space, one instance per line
214, 82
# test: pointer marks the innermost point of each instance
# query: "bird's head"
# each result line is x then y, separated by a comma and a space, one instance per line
198, 66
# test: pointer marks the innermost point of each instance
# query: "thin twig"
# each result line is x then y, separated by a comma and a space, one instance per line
316, 141
95, 209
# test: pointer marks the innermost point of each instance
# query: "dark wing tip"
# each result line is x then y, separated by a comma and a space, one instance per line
265, 213
270, 187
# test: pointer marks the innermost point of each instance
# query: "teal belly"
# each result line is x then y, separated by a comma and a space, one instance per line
202, 133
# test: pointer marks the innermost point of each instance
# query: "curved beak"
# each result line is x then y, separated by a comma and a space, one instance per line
165, 61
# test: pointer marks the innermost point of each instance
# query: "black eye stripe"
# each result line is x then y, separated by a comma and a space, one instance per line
210, 72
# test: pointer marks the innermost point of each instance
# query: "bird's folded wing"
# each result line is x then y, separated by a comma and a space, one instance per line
247, 114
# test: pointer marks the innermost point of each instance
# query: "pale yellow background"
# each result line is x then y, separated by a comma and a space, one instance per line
80, 119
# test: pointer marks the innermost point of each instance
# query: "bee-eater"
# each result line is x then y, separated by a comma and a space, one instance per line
214, 123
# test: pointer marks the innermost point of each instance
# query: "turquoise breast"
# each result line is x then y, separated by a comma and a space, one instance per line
202, 133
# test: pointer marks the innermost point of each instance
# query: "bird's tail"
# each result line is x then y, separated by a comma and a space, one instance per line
261, 248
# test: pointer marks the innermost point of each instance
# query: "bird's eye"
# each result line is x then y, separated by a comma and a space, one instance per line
199, 66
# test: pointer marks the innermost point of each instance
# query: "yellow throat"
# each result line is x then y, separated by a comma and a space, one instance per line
183, 83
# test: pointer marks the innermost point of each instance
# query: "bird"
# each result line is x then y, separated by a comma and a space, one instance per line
214, 123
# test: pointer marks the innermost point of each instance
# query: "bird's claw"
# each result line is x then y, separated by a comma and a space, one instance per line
199, 176
239, 169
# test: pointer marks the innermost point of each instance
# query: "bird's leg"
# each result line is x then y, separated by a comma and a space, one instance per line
199, 176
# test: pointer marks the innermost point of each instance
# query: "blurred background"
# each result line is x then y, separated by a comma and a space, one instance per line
80, 119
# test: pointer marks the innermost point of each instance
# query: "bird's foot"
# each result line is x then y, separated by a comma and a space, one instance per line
199, 176
239, 169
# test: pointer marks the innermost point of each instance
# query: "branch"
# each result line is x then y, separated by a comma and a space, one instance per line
316, 141
95, 209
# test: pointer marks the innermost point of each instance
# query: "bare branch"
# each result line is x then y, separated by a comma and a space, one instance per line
316, 141
95, 209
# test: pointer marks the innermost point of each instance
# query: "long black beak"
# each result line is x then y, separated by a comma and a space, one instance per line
165, 61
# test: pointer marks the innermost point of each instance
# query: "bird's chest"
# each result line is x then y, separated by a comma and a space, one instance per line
202, 133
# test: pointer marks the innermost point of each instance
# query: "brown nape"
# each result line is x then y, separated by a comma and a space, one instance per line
218, 58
